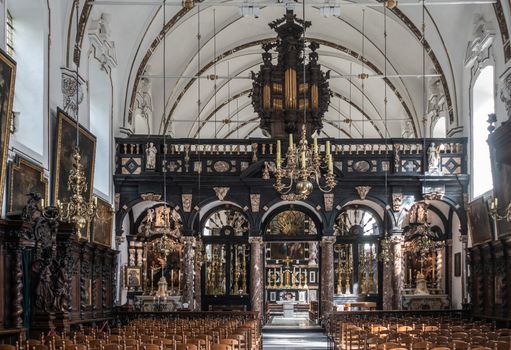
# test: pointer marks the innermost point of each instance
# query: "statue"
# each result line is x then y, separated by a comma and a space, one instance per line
313, 253
44, 291
434, 160
421, 287
61, 286
413, 214
150, 161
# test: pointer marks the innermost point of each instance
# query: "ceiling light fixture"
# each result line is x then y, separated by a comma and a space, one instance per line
329, 10
249, 10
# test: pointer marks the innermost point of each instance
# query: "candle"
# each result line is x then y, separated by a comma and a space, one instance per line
327, 148
315, 143
291, 142
42, 203
330, 164
278, 154
303, 160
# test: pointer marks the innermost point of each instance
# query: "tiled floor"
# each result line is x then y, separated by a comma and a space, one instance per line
293, 333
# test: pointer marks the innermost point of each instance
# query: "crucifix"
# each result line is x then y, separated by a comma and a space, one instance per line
287, 261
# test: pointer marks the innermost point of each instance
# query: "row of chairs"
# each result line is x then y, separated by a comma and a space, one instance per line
418, 333
226, 333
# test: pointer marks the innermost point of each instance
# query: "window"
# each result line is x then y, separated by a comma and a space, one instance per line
9, 33
483, 104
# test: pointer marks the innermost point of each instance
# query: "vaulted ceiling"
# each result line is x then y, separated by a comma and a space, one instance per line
230, 46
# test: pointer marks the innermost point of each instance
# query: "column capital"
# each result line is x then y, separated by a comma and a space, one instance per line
255, 240
189, 239
328, 240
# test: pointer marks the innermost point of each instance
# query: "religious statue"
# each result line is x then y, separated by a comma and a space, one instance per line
433, 159
150, 161
412, 215
313, 253
421, 287
422, 213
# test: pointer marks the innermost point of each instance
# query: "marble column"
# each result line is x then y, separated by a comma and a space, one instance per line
256, 274
197, 290
399, 272
327, 276
188, 271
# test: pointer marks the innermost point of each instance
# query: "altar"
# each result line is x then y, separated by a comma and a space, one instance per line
425, 302
288, 307
151, 303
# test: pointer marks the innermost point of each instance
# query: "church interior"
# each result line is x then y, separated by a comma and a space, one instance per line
255, 174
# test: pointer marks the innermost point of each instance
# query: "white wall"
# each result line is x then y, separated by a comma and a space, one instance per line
100, 125
30, 54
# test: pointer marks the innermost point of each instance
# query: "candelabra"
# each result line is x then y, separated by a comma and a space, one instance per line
494, 211
303, 167
77, 211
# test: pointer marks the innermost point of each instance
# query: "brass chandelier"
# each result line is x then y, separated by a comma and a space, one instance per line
303, 168
78, 210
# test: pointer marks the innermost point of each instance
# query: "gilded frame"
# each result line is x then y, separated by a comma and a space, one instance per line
7, 79
66, 129
24, 177
102, 226
137, 273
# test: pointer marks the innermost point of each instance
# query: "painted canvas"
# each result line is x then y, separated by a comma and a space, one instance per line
103, 224
480, 228
24, 177
7, 78
66, 143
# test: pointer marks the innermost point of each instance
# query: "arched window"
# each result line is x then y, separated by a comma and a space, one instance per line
100, 126
483, 104
28, 47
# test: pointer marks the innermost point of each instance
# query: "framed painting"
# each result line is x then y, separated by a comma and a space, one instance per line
288, 251
7, 78
65, 146
103, 224
479, 220
24, 177
133, 276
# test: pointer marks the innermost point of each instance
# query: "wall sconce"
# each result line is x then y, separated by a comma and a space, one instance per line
494, 210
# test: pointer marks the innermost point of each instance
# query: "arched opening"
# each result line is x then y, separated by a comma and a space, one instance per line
292, 286
358, 271
440, 128
483, 104
226, 269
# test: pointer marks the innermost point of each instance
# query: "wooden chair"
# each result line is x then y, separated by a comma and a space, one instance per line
422, 345
459, 345
39, 347
233, 343
151, 347
111, 347
32, 342
7, 347
497, 345
76, 347
220, 347
388, 346
186, 347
